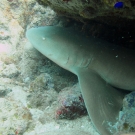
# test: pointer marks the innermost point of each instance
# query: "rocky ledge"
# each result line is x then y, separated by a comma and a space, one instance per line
113, 12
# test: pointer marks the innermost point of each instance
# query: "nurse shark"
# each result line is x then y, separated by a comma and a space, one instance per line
101, 67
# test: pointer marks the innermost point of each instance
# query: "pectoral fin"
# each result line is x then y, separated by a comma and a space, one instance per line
103, 102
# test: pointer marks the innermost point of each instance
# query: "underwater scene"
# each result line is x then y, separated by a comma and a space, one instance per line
67, 67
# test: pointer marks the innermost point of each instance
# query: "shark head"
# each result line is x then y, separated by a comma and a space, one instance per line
51, 42
61, 45
42, 39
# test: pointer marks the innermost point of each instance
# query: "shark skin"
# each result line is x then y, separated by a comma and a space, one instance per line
101, 68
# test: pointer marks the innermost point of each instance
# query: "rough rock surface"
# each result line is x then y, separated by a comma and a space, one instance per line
66, 132
71, 103
101, 10
15, 122
42, 92
126, 121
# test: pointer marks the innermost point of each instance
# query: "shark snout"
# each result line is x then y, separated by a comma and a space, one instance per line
31, 33
39, 33
36, 35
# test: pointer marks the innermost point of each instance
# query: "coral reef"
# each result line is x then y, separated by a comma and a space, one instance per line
29, 82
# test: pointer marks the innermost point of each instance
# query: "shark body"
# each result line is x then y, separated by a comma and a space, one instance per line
100, 66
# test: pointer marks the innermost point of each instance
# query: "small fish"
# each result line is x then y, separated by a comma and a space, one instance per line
119, 5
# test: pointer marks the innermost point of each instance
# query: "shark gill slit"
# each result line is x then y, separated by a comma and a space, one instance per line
86, 62
67, 60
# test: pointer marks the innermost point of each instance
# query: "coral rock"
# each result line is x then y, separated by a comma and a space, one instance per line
101, 10
126, 122
71, 104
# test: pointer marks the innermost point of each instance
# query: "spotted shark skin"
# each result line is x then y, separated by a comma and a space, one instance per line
101, 68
